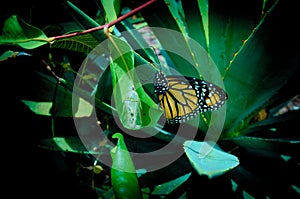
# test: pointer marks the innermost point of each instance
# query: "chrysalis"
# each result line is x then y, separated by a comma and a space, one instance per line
128, 103
131, 109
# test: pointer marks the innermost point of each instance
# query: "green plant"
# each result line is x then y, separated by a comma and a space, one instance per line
253, 45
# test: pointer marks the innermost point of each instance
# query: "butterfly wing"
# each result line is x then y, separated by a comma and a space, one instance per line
211, 97
182, 98
180, 101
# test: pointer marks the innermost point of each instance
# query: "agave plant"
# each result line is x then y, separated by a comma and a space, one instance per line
83, 62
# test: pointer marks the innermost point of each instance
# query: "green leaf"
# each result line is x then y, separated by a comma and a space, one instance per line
230, 23
44, 91
135, 108
186, 54
44, 88
195, 21
273, 122
9, 54
215, 163
123, 174
168, 187
177, 13
72, 144
268, 146
85, 21
16, 32
112, 10
250, 100
40, 108
228, 27
81, 43
256, 73
121, 52
297, 189
168, 33
203, 6
136, 40
44, 108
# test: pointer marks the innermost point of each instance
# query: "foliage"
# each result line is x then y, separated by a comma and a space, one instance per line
61, 79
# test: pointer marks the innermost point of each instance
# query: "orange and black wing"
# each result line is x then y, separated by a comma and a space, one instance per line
182, 98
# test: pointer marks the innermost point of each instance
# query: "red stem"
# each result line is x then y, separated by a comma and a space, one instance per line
105, 25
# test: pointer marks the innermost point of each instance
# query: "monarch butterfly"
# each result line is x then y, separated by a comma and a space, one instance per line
183, 98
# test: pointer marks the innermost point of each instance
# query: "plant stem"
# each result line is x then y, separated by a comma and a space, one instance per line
114, 22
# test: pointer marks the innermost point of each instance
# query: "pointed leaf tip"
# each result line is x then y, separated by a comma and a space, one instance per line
214, 163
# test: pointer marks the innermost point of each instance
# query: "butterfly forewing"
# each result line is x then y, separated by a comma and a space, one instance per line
170, 107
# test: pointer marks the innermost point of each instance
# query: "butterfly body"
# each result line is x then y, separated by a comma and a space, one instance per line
183, 98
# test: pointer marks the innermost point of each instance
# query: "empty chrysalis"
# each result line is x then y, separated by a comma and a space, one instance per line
131, 107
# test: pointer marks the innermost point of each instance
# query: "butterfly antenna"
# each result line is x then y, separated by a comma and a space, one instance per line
156, 57
157, 60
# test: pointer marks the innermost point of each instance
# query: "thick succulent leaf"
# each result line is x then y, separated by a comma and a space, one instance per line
197, 20
292, 104
245, 181
188, 55
228, 28
262, 176
257, 72
170, 41
287, 120
172, 171
177, 14
297, 189
168, 187
123, 174
230, 23
17, 32
268, 146
216, 162
203, 6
